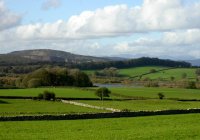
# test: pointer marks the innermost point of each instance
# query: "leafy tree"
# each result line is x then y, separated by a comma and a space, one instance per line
172, 78
102, 92
152, 70
47, 95
40, 96
33, 83
81, 79
161, 95
191, 85
184, 75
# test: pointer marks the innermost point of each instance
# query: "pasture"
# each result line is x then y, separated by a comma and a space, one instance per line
59, 91
152, 92
13, 107
131, 72
145, 105
164, 74
182, 127
176, 73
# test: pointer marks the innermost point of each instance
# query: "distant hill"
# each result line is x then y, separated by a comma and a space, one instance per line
195, 62
46, 56
42, 57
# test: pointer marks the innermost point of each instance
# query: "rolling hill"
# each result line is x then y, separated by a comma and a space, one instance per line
60, 58
46, 56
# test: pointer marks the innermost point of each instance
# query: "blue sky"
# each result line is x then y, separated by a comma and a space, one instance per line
127, 28
33, 12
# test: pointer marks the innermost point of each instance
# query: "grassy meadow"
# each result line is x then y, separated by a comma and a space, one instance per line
182, 127
131, 72
145, 105
152, 92
165, 74
60, 92
176, 73
12, 107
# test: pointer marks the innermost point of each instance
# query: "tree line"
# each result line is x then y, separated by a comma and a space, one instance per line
144, 61
49, 77
19, 68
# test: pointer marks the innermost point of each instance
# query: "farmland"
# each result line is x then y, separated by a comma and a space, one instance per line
152, 92
164, 73
12, 107
143, 105
60, 92
153, 127
131, 72
176, 73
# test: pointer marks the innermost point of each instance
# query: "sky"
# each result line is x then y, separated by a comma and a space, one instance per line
125, 28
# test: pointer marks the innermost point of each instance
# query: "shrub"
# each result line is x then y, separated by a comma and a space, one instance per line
47, 95
191, 85
161, 95
152, 71
102, 92
184, 75
40, 96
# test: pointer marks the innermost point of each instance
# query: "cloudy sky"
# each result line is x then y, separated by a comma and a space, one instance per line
128, 28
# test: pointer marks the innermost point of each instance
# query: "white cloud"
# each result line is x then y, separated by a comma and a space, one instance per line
176, 44
180, 25
118, 20
51, 4
8, 19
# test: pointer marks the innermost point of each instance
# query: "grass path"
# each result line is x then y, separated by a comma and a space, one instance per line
90, 106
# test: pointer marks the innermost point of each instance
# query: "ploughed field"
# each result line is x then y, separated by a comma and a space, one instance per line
182, 127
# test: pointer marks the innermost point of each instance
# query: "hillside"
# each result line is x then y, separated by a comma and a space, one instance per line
41, 57
46, 56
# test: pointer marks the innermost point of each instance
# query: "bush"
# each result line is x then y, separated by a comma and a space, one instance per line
47, 95
40, 96
152, 71
102, 92
191, 85
161, 95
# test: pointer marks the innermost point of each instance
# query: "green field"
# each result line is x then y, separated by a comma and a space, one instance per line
11, 107
165, 74
177, 73
152, 92
60, 92
131, 72
128, 91
182, 127
144, 105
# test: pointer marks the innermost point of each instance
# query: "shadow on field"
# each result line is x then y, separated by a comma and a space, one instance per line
3, 102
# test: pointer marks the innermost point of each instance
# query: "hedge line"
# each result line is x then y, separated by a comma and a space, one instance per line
60, 98
97, 115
